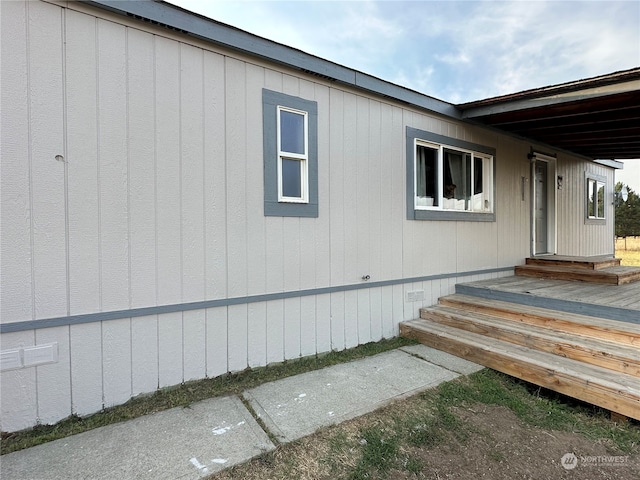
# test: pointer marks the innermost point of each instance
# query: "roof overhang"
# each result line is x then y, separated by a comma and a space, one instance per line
167, 15
598, 117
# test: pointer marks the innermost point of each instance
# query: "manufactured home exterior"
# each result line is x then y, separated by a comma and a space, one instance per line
152, 233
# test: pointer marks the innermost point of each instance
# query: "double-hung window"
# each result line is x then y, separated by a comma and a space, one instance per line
293, 159
290, 144
450, 179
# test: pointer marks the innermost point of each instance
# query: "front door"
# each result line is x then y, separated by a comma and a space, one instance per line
541, 209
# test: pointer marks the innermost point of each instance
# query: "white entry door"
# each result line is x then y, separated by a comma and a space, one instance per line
543, 205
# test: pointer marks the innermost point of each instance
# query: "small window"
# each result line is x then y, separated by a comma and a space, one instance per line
595, 199
452, 180
290, 143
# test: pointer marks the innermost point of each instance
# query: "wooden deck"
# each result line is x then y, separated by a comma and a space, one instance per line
581, 339
615, 302
605, 270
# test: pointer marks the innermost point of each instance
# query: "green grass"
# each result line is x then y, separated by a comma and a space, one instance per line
538, 407
432, 421
190, 392
379, 452
399, 440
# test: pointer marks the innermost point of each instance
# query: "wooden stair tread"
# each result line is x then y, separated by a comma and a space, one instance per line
563, 364
615, 391
600, 328
616, 275
490, 320
592, 263
596, 351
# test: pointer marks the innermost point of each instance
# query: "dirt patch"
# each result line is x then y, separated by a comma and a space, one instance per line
494, 444
483, 426
489, 443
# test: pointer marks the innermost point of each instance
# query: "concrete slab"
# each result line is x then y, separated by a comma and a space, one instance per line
183, 443
294, 407
443, 359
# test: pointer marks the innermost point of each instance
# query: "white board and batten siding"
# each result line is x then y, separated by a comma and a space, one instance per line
157, 200
575, 236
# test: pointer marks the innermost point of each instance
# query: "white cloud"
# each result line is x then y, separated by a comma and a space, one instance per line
419, 79
520, 45
456, 51
630, 174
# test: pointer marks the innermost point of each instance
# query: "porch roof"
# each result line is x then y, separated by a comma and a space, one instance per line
596, 117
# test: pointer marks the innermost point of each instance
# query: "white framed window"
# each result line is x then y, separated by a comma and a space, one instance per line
452, 178
595, 199
290, 149
448, 178
293, 157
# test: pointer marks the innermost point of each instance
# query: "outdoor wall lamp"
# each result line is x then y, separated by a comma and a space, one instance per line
622, 195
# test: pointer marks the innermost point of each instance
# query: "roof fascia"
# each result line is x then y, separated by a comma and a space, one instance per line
233, 38
610, 163
577, 95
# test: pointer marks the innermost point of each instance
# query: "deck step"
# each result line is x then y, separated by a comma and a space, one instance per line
615, 391
589, 263
616, 275
624, 333
589, 358
595, 351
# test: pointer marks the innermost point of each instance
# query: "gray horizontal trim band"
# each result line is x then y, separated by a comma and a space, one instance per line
569, 306
223, 302
450, 215
276, 209
381, 87
230, 37
595, 221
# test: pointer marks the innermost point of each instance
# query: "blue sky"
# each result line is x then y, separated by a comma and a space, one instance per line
451, 50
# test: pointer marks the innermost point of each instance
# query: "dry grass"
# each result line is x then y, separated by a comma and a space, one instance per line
628, 250
432, 435
189, 392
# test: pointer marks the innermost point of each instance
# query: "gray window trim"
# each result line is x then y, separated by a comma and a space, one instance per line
270, 101
412, 213
599, 178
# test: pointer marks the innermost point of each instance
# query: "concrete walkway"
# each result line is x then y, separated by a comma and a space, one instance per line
214, 434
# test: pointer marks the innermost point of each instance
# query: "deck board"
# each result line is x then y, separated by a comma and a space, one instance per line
617, 302
574, 337
582, 342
